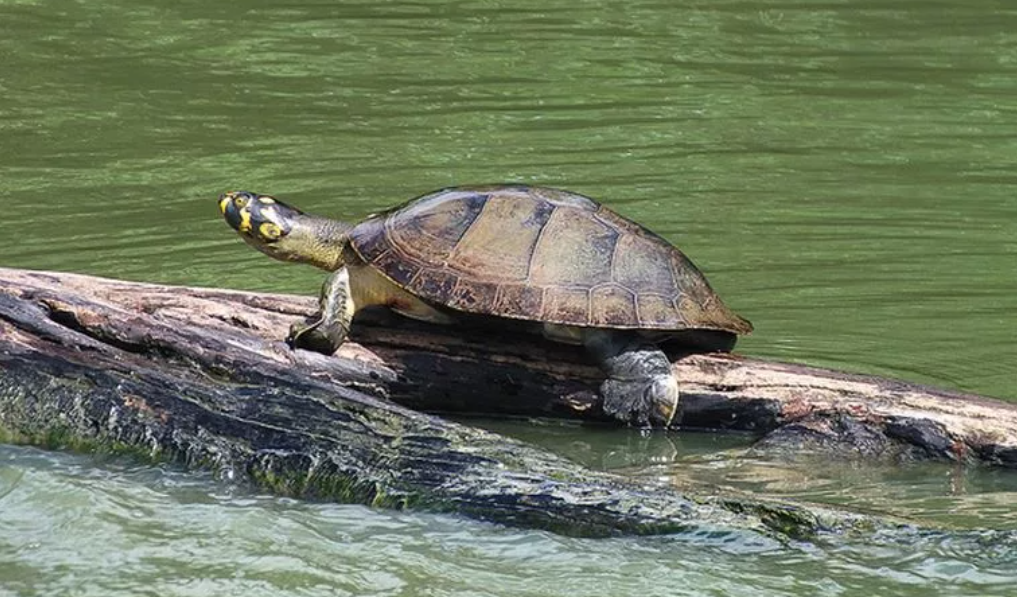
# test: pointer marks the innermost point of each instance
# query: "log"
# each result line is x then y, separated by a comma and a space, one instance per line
201, 376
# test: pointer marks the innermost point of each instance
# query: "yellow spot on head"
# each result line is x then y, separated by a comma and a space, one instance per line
225, 201
245, 220
269, 231
267, 200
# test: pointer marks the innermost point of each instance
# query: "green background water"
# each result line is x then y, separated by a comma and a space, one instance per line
842, 170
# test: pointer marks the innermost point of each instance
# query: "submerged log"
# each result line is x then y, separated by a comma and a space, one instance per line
201, 376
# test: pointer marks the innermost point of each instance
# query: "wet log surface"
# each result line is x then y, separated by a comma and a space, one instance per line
201, 376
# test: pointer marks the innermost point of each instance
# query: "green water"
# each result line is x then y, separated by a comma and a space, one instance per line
842, 170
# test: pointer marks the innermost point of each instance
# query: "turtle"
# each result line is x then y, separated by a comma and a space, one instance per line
525, 257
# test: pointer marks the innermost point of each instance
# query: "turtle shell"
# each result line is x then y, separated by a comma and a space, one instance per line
542, 255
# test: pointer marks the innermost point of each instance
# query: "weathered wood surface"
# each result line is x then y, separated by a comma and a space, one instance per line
201, 376
186, 375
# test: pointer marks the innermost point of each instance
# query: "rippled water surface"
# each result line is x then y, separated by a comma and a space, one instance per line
844, 171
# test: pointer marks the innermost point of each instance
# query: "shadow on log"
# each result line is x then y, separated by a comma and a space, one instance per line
200, 376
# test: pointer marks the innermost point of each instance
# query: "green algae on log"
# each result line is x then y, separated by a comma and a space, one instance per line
201, 377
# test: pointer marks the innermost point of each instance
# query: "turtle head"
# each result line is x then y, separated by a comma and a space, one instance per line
260, 219
284, 232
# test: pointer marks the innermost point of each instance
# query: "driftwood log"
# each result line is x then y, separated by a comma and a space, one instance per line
201, 376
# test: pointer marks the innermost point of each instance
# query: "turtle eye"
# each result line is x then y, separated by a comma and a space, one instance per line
240, 201
269, 231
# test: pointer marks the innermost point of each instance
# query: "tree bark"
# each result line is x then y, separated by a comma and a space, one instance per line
201, 376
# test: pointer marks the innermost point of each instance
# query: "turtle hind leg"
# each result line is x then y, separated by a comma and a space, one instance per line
640, 388
328, 328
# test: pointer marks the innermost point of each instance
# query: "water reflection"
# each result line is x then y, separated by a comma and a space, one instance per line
928, 493
181, 533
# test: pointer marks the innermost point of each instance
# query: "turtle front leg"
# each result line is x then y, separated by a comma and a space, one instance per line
640, 388
328, 329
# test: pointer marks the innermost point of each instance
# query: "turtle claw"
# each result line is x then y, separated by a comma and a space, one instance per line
646, 402
315, 336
